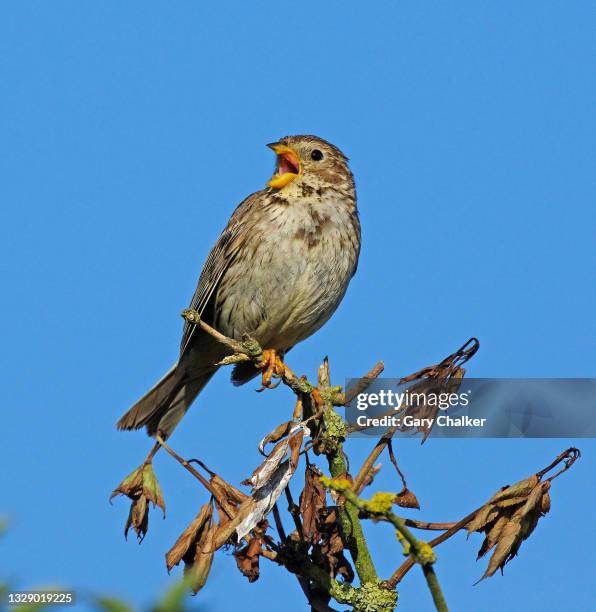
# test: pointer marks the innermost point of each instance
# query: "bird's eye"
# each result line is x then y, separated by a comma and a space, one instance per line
316, 155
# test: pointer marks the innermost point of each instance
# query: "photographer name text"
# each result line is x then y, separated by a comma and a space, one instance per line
443, 420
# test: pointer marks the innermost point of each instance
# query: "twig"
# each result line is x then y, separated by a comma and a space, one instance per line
192, 316
295, 513
429, 526
152, 453
194, 472
435, 588
394, 462
303, 582
278, 524
570, 456
374, 455
405, 567
363, 383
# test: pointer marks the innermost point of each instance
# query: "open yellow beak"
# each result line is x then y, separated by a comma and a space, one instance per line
288, 166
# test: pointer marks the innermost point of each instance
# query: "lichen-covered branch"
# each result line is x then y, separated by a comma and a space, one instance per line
379, 507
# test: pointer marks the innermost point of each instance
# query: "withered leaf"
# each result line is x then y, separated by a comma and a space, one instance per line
264, 472
519, 489
484, 516
431, 387
406, 499
509, 518
198, 572
328, 551
512, 501
263, 499
233, 494
312, 500
138, 518
295, 443
247, 559
507, 545
141, 487
185, 546
492, 535
277, 434
226, 500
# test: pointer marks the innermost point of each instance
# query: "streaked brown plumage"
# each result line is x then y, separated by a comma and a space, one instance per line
277, 272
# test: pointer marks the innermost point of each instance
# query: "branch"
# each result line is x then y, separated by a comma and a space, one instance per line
407, 565
332, 446
244, 348
194, 472
374, 455
379, 508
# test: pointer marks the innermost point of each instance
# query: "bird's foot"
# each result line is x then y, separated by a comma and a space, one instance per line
272, 365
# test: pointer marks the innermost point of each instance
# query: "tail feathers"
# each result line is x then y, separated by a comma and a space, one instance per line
165, 419
162, 407
138, 415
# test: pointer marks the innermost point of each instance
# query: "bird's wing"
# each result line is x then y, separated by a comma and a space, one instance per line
218, 261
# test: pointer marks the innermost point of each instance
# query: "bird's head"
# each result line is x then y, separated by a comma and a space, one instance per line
308, 160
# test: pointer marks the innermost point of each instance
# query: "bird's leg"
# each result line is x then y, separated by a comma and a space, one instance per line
272, 365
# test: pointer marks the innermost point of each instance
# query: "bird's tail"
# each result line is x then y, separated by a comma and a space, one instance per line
162, 407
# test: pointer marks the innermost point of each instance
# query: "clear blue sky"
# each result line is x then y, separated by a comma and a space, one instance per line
130, 131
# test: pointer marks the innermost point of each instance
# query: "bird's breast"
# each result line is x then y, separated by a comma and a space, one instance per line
291, 273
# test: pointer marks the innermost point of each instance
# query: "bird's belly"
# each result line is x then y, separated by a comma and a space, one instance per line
288, 293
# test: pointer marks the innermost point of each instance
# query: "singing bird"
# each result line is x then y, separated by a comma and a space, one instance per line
277, 273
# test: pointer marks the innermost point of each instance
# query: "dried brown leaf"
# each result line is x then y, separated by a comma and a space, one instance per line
506, 546
510, 518
247, 559
138, 518
512, 501
187, 541
295, 443
263, 473
533, 499
483, 517
277, 434
492, 535
141, 487
406, 499
520, 489
203, 558
312, 500
328, 552
232, 494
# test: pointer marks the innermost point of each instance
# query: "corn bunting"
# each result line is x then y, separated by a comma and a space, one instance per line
277, 273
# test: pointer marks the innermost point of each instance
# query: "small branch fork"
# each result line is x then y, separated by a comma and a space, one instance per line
379, 509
